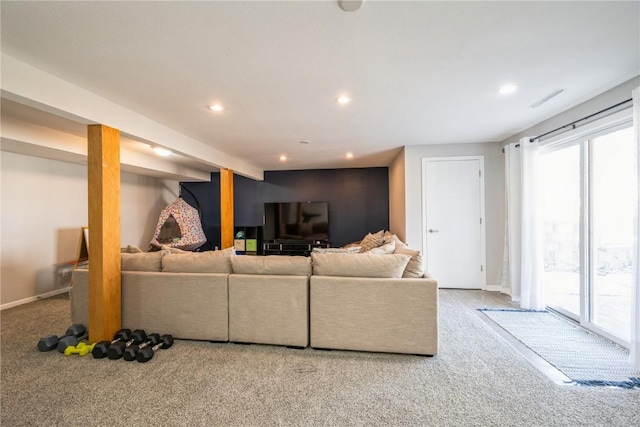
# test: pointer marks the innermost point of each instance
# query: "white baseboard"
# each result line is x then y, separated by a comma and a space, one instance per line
35, 298
493, 288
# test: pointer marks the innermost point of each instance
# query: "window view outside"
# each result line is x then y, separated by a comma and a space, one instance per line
613, 192
560, 198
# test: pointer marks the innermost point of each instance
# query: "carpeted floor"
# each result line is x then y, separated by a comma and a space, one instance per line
477, 379
582, 356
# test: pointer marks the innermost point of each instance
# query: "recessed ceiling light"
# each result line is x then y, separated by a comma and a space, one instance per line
343, 99
508, 89
161, 151
283, 158
349, 155
216, 107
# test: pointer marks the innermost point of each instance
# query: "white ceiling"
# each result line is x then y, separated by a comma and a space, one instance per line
419, 72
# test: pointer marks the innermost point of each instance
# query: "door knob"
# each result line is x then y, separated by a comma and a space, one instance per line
431, 230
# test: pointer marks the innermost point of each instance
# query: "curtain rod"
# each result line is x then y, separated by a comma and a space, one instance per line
573, 124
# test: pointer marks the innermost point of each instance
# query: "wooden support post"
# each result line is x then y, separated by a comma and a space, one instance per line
105, 312
226, 208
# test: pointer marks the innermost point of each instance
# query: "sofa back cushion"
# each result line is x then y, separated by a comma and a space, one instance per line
198, 262
143, 261
360, 265
271, 265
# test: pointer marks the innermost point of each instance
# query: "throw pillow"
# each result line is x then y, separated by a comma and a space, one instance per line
389, 248
198, 262
359, 265
144, 261
352, 244
371, 241
350, 250
414, 267
131, 250
390, 237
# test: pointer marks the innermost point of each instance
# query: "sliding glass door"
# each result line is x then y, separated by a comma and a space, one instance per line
612, 196
588, 194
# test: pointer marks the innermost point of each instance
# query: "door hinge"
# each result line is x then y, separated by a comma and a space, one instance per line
481, 269
480, 221
479, 174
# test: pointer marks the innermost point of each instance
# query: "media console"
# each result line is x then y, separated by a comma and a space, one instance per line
292, 247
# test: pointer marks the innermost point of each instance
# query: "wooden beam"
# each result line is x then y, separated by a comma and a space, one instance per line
105, 312
226, 208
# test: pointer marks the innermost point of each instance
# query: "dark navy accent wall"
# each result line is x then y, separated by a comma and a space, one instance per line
358, 200
208, 197
247, 202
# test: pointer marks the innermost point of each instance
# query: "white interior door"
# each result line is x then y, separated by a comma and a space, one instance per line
453, 200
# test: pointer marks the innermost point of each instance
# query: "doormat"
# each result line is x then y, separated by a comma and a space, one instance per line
584, 357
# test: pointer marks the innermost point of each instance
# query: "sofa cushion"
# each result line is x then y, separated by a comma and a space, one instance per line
272, 265
414, 267
371, 241
143, 261
359, 265
198, 262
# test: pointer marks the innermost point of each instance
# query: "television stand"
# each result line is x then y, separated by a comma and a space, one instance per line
292, 247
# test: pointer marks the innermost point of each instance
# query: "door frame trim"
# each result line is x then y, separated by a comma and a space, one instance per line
483, 243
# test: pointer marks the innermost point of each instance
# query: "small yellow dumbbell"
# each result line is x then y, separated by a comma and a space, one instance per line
81, 349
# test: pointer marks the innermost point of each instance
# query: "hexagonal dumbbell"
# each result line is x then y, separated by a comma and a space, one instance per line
131, 351
50, 342
116, 350
145, 354
82, 349
100, 349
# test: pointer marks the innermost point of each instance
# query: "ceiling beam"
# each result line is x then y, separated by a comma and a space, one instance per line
28, 85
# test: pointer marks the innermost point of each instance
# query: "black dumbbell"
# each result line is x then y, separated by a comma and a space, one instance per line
116, 350
131, 351
145, 354
100, 349
69, 341
50, 342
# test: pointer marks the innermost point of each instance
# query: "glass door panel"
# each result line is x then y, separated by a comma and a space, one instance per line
561, 206
613, 194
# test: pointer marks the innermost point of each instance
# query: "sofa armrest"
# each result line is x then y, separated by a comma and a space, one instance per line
186, 305
79, 296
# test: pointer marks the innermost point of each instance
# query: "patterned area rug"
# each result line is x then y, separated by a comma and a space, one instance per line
586, 358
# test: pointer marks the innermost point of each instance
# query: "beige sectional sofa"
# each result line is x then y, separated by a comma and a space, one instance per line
330, 301
269, 300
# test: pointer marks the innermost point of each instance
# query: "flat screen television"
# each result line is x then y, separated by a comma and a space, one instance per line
296, 221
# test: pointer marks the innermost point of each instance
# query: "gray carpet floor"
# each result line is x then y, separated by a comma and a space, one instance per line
477, 379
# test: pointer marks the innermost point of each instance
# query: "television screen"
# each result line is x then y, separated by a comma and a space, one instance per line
295, 221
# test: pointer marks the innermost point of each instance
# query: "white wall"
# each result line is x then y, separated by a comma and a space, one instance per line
44, 205
494, 197
405, 201
397, 223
